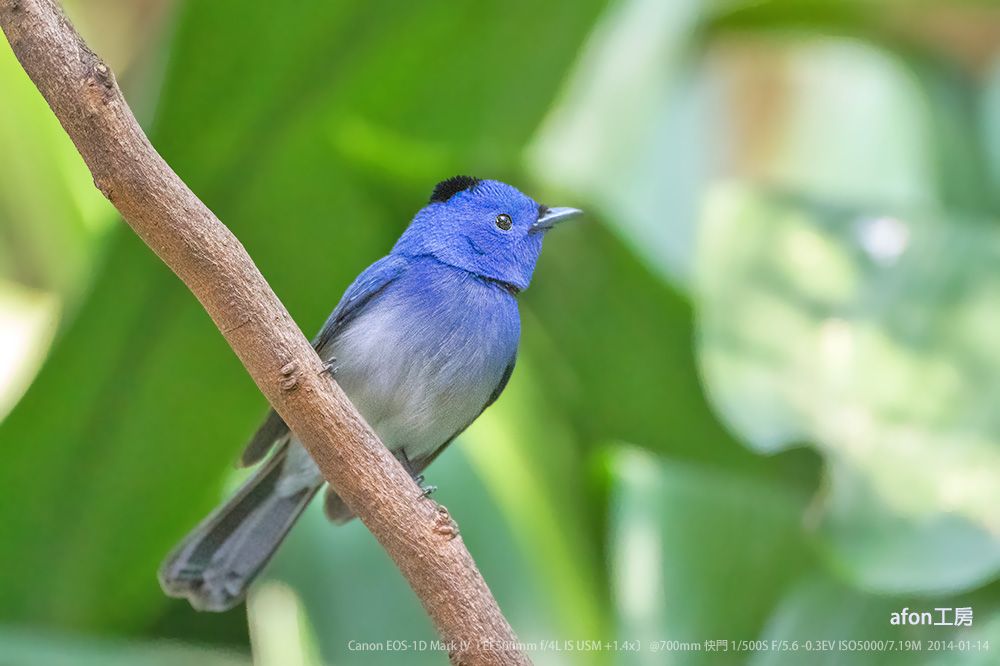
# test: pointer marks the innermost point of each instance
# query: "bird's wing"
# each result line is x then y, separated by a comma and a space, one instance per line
372, 281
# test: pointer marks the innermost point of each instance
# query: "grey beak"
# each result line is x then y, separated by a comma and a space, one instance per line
550, 217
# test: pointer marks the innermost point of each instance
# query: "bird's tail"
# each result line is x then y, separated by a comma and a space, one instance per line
216, 562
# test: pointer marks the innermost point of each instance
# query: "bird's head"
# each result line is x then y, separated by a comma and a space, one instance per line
482, 226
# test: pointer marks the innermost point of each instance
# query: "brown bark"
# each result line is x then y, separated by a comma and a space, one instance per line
187, 236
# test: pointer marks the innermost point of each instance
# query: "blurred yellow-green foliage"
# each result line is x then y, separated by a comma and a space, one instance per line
757, 394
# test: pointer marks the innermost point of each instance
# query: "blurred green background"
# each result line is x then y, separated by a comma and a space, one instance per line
756, 398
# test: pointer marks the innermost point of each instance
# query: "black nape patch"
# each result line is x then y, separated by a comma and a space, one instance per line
446, 189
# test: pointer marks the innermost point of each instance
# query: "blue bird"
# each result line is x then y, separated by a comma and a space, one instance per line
422, 342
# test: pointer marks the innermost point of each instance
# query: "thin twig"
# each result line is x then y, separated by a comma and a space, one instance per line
186, 235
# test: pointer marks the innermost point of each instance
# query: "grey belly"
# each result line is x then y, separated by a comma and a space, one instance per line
416, 385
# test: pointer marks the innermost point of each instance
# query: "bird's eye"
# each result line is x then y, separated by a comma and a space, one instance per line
504, 221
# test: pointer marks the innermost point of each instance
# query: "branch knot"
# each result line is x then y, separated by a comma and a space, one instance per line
443, 523
290, 381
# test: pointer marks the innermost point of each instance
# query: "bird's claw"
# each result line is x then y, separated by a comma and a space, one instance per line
425, 491
329, 368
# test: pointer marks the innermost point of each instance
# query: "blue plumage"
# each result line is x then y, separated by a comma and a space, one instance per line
422, 341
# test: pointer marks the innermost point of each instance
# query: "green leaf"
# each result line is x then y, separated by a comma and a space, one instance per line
697, 553
37, 648
881, 82
51, 215
527, 456
819, 609
616, 344
872, 336
989, 111
645, 177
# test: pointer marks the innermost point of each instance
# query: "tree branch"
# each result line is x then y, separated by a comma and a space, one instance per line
186, 235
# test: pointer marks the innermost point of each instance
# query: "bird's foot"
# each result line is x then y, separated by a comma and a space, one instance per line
425, 491
330, 367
